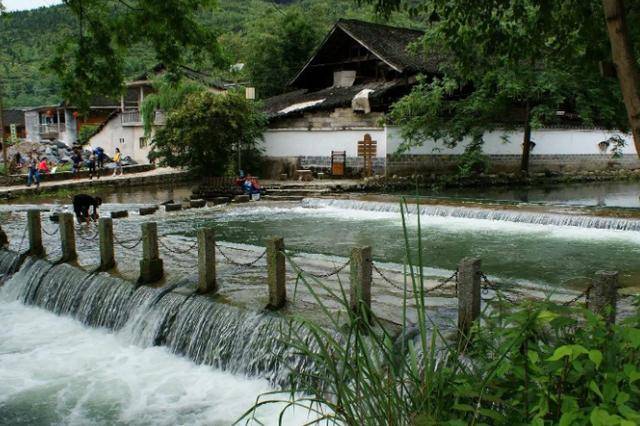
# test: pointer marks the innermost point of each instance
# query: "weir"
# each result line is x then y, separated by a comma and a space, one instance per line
582, 221
190, 325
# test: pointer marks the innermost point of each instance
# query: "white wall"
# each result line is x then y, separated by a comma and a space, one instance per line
109, 139
320, 143
548, 142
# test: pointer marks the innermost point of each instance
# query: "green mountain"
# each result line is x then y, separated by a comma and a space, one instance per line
29, 39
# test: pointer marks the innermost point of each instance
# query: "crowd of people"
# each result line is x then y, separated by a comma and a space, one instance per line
38, 167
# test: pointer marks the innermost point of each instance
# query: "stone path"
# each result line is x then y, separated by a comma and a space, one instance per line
149, 177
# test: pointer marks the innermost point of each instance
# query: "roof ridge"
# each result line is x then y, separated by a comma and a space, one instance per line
376, 24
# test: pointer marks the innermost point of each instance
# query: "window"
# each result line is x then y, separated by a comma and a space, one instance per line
143, 143
122, 140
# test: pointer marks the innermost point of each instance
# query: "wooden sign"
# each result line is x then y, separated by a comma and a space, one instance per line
367, 149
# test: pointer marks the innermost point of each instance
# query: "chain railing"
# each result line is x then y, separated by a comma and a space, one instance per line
241, 264
91, 238
178, 251
50, 233
452, 278
123, 243
585, 293
489, 285
336, 271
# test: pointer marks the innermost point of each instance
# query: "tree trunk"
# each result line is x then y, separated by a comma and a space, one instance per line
626, 66
4, 145
526, 142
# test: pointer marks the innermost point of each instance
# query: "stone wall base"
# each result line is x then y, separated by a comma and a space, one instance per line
411, 164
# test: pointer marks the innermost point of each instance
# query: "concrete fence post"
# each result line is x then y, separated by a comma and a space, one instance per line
207, 282
604, 294
34, 228
360, 280
151, 267
68, 238
105, 231
468, 294
276, 273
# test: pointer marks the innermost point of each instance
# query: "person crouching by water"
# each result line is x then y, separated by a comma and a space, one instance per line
251, 187
81, 205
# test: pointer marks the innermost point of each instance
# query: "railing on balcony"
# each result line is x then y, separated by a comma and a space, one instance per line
134, 118
51, 130
131, 118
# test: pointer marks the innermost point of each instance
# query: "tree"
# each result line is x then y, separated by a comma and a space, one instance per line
278, 44
627, 66
205, 133
508, 65
168, 95
90, 62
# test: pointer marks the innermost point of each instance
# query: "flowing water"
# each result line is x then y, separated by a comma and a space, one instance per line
597, 194
123, 368
79, 348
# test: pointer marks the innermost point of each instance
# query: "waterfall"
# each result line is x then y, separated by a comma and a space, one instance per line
539, 218
194, 326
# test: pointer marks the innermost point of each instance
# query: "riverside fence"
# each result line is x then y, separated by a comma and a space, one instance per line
468, 282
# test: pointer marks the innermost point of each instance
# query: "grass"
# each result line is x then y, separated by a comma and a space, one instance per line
534, 363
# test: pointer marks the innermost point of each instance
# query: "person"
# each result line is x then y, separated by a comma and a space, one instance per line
251, 185
43, 167
92, 166
32, 174
117, 158
81, 205
77, 160
18, 160
99, 153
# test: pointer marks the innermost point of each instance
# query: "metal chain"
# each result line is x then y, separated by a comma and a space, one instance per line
233, 262
92, 238
437, 287
488, 284
190, 248
585, 293
122, 243
50, 233
328, 274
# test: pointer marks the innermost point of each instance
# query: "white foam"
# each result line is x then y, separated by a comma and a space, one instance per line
53, 367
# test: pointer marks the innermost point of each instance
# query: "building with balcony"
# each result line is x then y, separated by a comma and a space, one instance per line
124, 127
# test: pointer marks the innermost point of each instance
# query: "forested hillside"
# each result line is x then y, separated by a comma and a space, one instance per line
29, 40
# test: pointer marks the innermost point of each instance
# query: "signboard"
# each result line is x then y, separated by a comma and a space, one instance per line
14, 133
367, 149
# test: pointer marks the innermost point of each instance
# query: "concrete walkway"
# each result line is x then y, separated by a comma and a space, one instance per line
158, 175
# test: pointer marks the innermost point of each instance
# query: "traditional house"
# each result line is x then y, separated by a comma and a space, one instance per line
124, 128
342, 93
63, 122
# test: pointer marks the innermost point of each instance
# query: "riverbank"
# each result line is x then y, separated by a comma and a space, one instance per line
156, 176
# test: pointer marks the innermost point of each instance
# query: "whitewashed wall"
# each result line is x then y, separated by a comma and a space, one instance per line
320, 143
548, 142
109, 138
